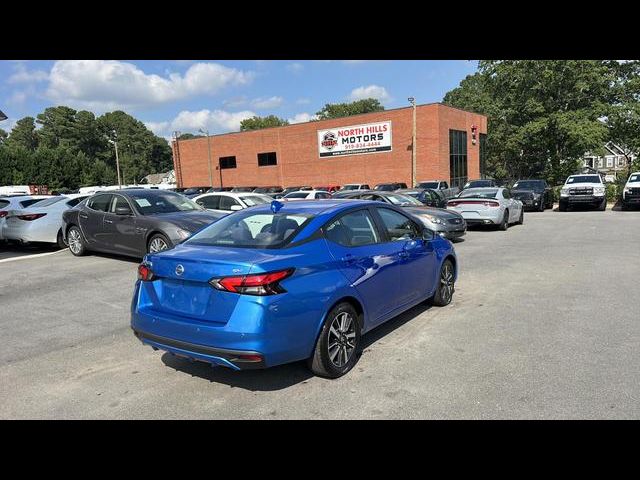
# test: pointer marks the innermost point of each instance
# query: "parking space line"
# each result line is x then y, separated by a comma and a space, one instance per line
26, 257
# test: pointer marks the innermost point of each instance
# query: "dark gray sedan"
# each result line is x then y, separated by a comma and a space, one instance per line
446, 223
133, 222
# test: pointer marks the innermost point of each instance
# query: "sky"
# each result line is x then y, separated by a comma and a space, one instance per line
184, 96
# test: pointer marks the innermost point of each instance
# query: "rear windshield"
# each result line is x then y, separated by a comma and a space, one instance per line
47, 201
634, 178
152, 202
257, 230
28, 203
479, 193
256, 200
479, 183
584, 179
4, 203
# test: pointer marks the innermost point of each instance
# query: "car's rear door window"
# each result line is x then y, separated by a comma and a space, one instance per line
100, 203
353, 230
227, 202
398, 226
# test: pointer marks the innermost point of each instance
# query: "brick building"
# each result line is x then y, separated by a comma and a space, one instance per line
369, 148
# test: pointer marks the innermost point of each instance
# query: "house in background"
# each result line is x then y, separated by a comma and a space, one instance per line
158, 178
610, 164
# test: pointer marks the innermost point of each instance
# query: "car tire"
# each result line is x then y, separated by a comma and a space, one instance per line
338, 339
624, 207
75, 241
504, 225
446, 285
603, 205
562, 207
521, 218
158, 243
60, 240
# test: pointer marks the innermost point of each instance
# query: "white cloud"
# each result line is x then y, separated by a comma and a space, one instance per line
263, 103
216, 121
370, 91
303, 101
17, 97
23, 75
295, 67
302, 117
110, 84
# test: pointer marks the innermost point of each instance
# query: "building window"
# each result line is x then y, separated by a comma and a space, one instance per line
458, 157
483, 155
600, 162
267, 159
227, 162
621, 161
609, 162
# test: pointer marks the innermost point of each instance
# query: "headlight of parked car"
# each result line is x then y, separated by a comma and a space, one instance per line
183, 234
436, 220
598, 191
564, 192
627, 189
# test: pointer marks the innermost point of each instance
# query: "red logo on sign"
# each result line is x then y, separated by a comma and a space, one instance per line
329, 140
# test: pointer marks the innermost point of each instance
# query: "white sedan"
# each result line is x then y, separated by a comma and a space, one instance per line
307, 195
488, 206
16, 202
227, 202
41, 221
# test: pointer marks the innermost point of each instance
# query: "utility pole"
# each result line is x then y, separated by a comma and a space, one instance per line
412, 101
115, 144
209, 153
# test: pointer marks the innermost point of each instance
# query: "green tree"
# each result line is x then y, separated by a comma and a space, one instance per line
543, 115
24, 134
337, 110
59, 127
188, 136
3, 136
257, 123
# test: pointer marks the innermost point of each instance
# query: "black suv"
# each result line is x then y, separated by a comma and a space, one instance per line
390, 187
535, 194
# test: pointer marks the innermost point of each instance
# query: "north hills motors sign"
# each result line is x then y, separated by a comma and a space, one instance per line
355, 140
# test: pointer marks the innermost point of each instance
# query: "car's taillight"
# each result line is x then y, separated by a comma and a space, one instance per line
3, 213
31, 216
145, 273
491, 204
452, 204
255, 284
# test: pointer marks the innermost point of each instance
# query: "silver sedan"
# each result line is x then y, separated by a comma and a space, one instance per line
488, 206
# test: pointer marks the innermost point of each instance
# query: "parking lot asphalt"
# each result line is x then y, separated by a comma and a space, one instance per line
544, 324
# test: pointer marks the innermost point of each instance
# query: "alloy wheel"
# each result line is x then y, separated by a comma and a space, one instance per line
447, 283
157, 245
341, 339
74, 241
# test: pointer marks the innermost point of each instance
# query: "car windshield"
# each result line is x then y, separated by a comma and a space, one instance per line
252, 200
154, 202
297, 195
479, 193
399, 199
257, 230
47, 201
428, 185
535, 185
584, 179
634, 178
351, 187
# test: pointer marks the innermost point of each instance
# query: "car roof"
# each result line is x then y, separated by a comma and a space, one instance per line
311, 206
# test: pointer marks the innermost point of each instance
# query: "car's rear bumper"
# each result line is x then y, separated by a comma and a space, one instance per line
217, 356
28, 232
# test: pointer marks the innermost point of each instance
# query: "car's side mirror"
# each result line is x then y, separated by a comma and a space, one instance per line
235, 208
428, 234
123, 211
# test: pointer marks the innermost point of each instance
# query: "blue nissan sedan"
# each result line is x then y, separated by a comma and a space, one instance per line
284, 282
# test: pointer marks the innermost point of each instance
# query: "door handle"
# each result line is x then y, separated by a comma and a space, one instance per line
84, 215
108, 221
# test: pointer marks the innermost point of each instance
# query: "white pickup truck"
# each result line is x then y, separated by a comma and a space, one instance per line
586, 190
631, 192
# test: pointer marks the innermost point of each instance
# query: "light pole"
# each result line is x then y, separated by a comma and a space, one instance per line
209, 152
412, 101
115, 144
